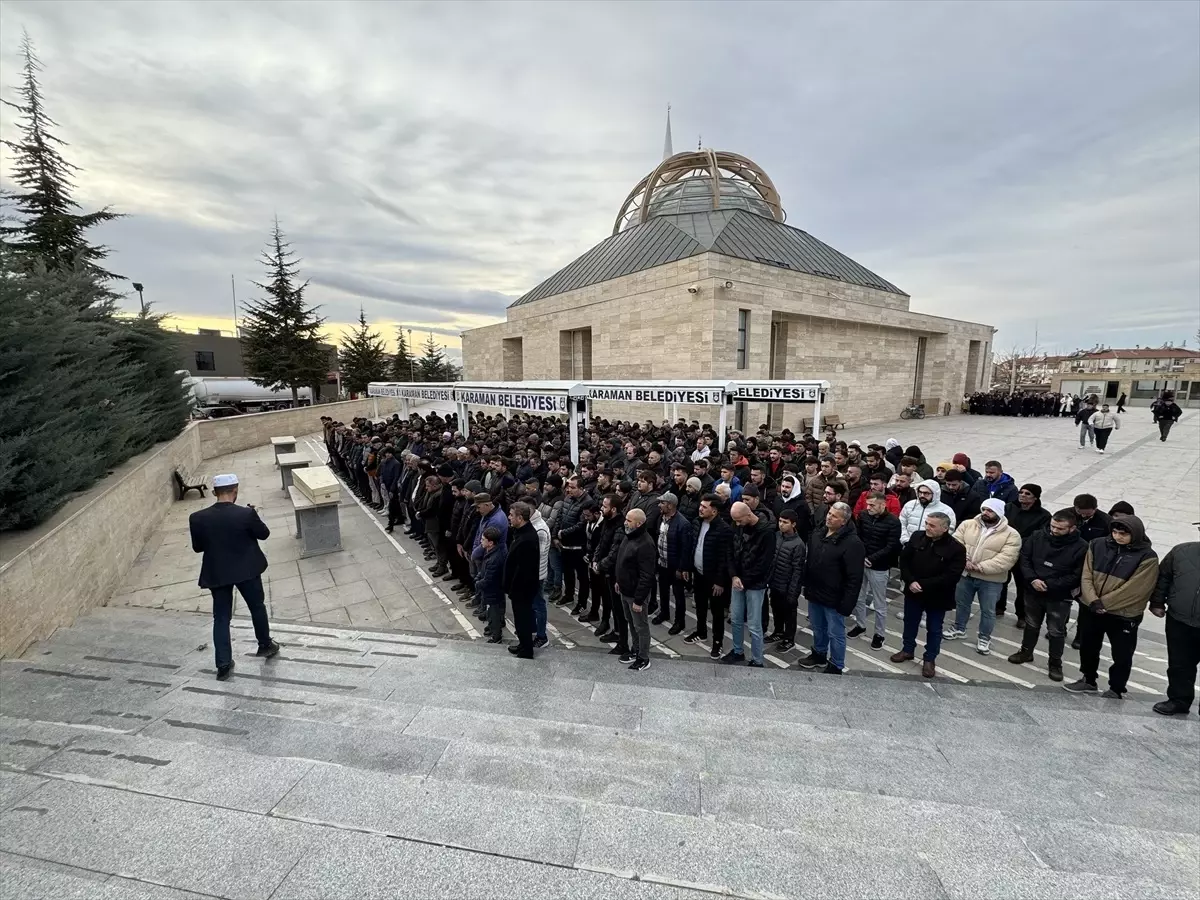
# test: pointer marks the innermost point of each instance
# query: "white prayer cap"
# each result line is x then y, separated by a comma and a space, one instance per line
220, 481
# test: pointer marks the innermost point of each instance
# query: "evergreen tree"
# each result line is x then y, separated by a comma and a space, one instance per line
363, 357
144, 343
432, 364
404, 367
47, 225
281, 341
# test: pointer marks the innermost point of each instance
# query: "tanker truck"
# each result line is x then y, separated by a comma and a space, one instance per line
208, 395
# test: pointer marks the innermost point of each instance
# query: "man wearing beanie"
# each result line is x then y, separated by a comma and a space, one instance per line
1028, 516
689, 501
993, 548
962, 462
445, 512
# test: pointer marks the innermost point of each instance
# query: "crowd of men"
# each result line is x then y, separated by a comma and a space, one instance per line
655, 517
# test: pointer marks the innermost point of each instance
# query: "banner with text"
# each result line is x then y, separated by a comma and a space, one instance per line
519, 400
409, 392
700, 396
782, 394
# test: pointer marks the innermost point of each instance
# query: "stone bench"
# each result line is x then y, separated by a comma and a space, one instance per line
288, 463
281, 445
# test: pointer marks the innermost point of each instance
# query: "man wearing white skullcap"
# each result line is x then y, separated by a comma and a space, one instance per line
228, 536
993, 548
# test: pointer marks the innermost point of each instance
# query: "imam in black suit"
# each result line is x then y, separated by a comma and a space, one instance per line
228, 536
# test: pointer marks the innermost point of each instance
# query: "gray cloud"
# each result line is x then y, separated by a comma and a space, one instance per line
1028, 164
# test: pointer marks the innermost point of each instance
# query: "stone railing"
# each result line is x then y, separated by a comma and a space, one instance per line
81, 556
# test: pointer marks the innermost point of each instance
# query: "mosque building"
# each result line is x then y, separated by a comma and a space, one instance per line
702, 279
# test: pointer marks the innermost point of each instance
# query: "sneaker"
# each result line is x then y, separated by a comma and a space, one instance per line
579, 610
658, 620
1055, 672
609, 637
856, 631
675, 629
877, 642
814, 660
784, 646
1170, 708
1021, 656
268, 651
715, 652
984, 646
831, 669
563, 601
1110, 694
1098, 450
732, 658
692, 637
618, 651
627, 658
953, 633
539, 643
640, 665
754, 665
223, 672
772, 638
1082, 686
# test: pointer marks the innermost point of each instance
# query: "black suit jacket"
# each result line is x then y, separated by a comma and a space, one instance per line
228, 536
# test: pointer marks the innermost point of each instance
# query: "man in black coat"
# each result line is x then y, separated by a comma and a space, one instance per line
228, 536
787, 578
1051, 566
832, 581
1177, 596
521, 577
711, 572
1027, 516
673, 543
930, 565
753, 556
880, 534
636, 564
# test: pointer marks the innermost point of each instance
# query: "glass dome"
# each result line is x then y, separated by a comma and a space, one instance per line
700, 181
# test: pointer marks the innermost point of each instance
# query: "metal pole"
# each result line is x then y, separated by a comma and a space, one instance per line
142, 301
464, 423
816, 430
411, 376
236, 332
723, 425
573, 422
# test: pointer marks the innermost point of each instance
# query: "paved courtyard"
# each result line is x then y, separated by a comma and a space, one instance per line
379, 580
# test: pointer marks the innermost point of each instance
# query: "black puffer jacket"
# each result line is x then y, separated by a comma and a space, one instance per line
637, 560
787, 571
881, 539
936, 565
753, 554
1178, 587
1056, 559
689, 507
834, 573
1027, 521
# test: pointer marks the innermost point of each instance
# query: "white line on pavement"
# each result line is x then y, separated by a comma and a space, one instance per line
1132, 684
970, 662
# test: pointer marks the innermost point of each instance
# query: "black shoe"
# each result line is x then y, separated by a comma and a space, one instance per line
692, 638
514, 649
438, 572
877, 642
856, 631
268, 651
539, 643
462, 589
223, 672
449, 576
593, 616
1110, 694
562, 601
754, 665
1021, 656
1000, 610
814, 660
831, 669
495, 639
1076, 643
784, 646
715, 652
609, 637
640, 665
388, 530
618, 651
627, 658
675, 629
1170, 708
733, 659
1020, 624
658, 620
1055, 671
1082, 686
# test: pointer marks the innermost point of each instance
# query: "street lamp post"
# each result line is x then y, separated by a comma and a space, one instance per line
411, 376
139, 287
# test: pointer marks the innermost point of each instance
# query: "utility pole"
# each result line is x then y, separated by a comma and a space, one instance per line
233, 290
139, 287
411, 376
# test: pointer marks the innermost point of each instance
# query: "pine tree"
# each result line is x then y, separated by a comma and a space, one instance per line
403, 365
281, 342
432, 364
48, 226
363, 357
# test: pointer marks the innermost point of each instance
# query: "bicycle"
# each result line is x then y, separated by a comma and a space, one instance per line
913, 411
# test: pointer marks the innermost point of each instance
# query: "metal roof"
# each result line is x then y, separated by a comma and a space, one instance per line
736, 233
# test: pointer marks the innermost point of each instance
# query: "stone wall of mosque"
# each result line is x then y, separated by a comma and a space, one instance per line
681, 321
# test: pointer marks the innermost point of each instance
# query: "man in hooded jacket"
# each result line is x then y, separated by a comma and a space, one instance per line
1119, 575
929, 499
1028, 516
993, 548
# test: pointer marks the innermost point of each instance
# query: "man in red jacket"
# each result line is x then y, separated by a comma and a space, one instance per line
878, 486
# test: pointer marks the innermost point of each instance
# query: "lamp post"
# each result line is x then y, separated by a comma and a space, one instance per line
139, 287
411, 376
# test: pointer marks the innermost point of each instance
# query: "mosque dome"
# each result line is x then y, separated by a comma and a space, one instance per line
700, 181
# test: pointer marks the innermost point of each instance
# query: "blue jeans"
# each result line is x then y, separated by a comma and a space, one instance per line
829, 633
935, 619
746, 609
554, 572
539, 610
989, 593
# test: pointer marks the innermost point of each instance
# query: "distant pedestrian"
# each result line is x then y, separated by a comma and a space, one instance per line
1166, 413
1103, 424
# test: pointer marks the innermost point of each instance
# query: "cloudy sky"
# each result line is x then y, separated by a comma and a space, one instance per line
1032, 165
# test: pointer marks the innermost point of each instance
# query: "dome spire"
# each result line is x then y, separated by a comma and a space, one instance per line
668, 152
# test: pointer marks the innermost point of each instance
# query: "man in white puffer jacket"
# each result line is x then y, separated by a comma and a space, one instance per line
929, 500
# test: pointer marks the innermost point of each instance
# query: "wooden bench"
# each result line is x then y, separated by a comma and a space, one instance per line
182, 487
831, 421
